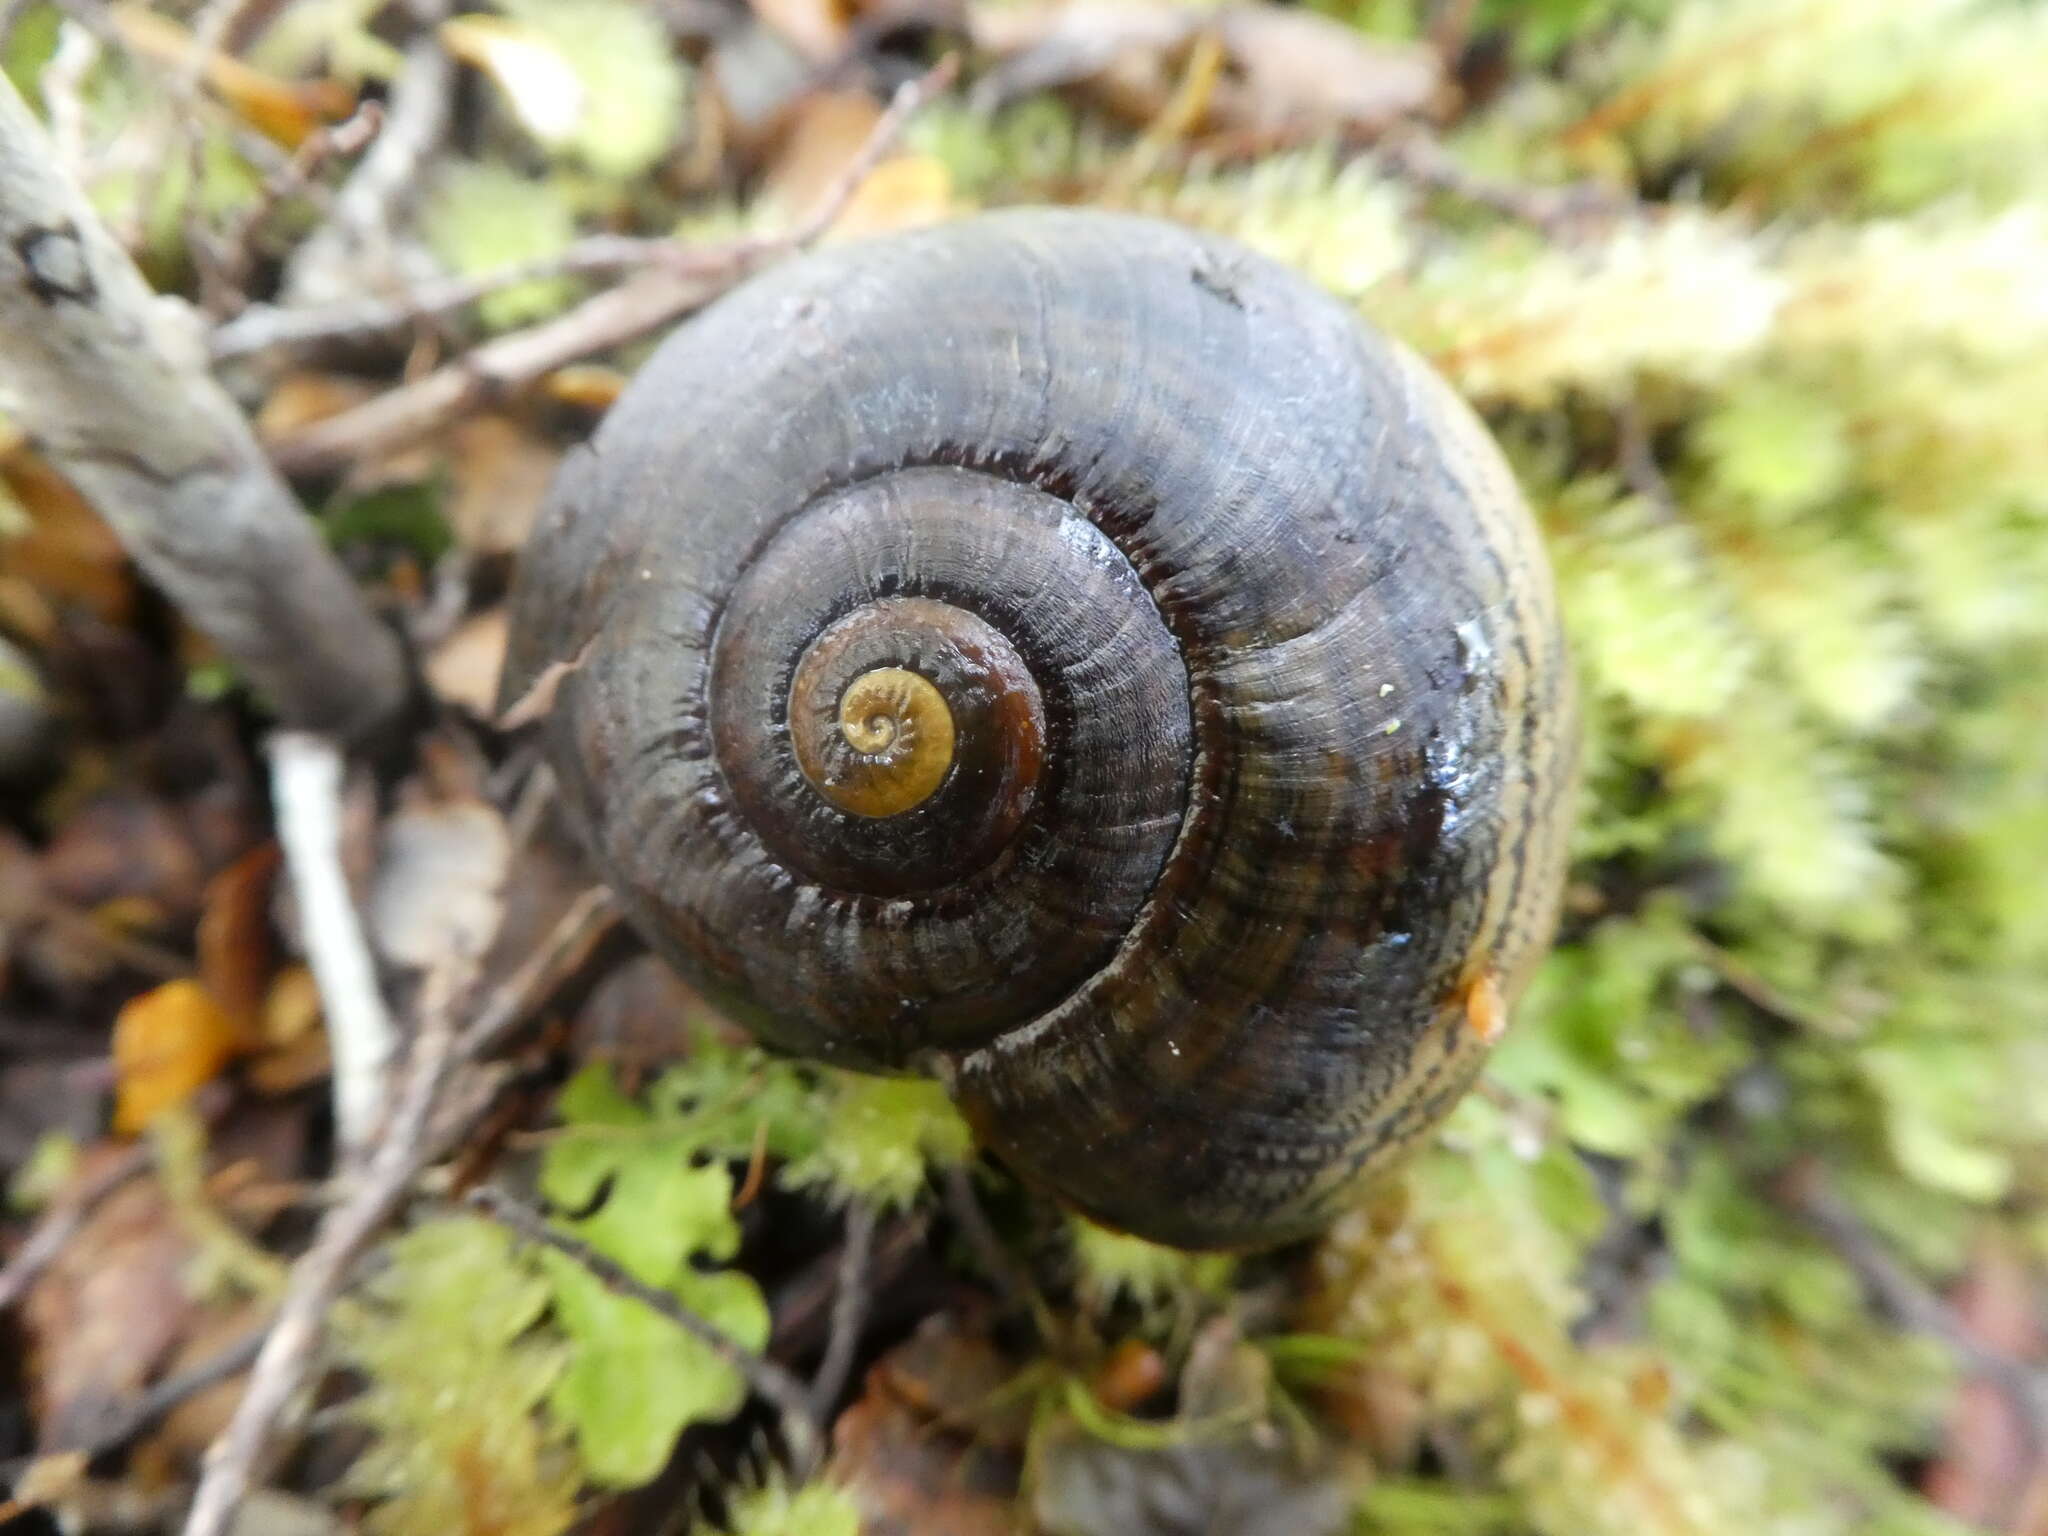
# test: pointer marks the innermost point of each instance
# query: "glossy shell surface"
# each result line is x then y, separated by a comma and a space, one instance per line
1246, 817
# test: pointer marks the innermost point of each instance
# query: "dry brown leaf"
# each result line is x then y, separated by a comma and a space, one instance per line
758, 76
291, 1011
236, 954
294, 1049
908, 1472
825, 132
816, 28
463, 669
300, 399
109, 1308
67, 556
1295, 68
539, 698
1286, 67
950, 1372
500, 472
1987, 1474
130, 846
168, 1043
903, 193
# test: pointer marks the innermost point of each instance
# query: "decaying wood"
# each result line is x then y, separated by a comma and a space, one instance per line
91, 367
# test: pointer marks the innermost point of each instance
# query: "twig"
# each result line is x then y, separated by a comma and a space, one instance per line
61, 1223
1415, 156
1637, 456
237, 255
264, 327
1805, 1193
607, 320
771, 1382
849, 1311
1009, 1277
90, 371
306, 779
287, 1352
354, 246
124, 1423
589, 918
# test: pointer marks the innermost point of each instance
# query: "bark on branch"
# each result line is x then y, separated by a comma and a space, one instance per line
92, 369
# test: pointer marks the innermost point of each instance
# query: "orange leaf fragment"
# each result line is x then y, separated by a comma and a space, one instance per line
286, 111
168, 1043
907, 192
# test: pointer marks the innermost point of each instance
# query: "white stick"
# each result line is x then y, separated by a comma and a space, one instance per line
305, 779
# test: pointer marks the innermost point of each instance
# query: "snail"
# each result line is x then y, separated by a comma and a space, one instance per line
1072, 656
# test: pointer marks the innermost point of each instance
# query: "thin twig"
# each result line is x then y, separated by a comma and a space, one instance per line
1637, 456
1418, 157
62, 1221
125, 1422
265, 327
1009, 1277
288, 1351
1804, 1191
306, 778
610, 319
568, 944
236, 258
771, 1382
849, 1311
354, 247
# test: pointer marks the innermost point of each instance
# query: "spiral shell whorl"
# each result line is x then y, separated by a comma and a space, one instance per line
1261, 752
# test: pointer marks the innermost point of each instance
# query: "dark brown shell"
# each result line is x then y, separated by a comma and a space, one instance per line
1223, 898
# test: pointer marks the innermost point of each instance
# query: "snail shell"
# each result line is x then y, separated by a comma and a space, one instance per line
1069, 655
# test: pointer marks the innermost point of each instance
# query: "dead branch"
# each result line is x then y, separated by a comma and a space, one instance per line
90, 370
768, 1380
849, 1310
306, 779
607, 320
